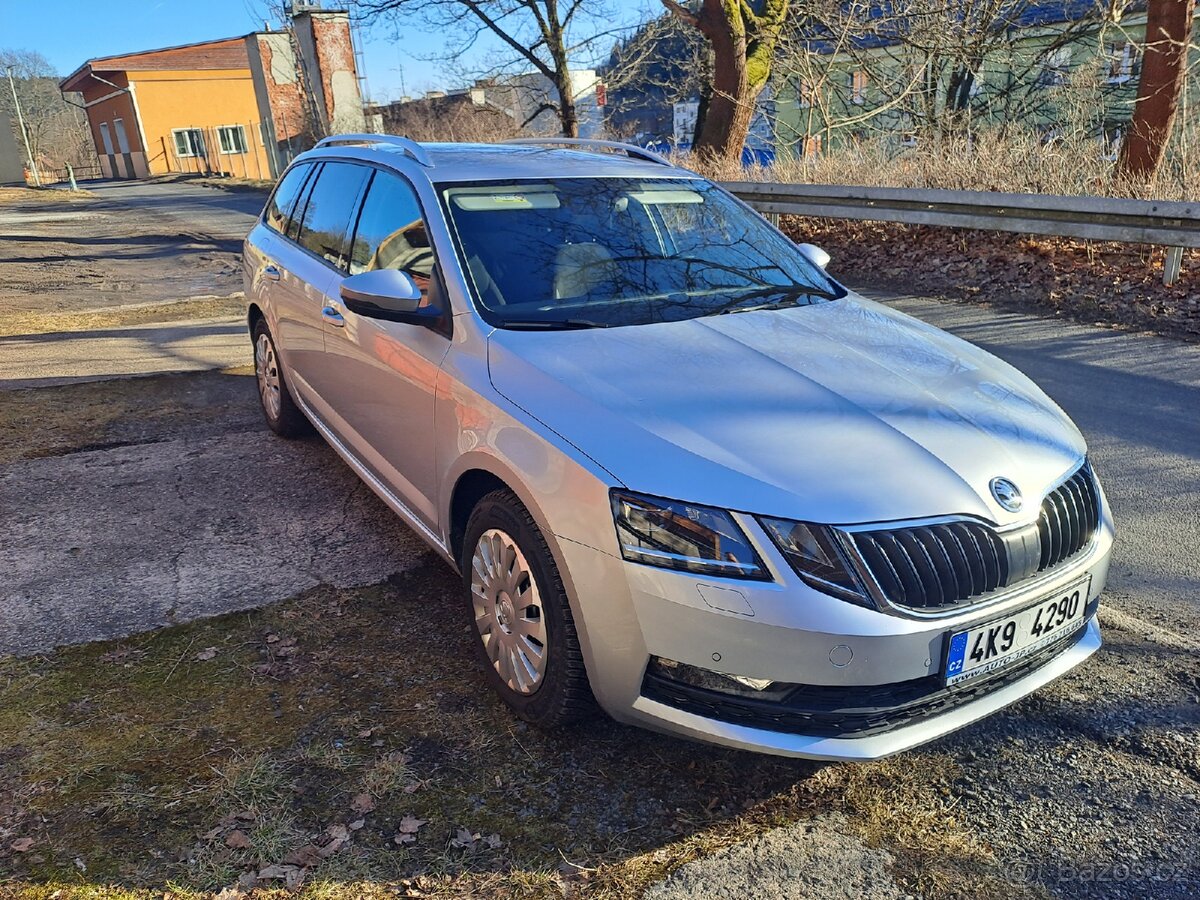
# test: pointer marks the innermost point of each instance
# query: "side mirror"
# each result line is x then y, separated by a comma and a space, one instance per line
814, 255
387, 294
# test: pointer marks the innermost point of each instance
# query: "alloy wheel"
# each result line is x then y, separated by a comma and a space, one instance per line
267, 369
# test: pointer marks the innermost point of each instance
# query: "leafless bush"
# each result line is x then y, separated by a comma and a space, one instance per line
1008, 160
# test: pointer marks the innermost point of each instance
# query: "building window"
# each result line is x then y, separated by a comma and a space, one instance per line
232, 138
189, 142
1122, 61
1055, 67
858, 87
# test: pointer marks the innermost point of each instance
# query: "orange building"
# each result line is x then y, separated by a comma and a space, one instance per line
241, 106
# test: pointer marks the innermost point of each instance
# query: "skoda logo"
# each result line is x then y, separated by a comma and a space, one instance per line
1006, 494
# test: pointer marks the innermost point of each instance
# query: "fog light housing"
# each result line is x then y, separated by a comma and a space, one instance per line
737, 685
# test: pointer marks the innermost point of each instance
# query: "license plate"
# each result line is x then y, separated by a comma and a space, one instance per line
996, 644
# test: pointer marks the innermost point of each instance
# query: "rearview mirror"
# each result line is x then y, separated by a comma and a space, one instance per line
387, 294
814, 255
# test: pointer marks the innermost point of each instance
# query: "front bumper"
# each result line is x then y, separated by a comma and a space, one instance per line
784, 631
663, 717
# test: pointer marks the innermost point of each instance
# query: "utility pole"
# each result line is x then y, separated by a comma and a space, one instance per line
37, 179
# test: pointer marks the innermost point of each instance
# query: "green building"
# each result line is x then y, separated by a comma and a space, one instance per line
908, 73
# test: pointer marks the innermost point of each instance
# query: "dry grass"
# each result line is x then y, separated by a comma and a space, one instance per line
18, 323
1010, 161
141, 759
19, 195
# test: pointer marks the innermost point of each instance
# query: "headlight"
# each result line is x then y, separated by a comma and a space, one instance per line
816, 557
683, 536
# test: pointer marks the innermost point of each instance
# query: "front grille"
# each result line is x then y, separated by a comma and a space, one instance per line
953, 564
1070, 514
850, 711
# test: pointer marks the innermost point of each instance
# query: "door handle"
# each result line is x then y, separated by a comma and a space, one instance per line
270, 272
332, 316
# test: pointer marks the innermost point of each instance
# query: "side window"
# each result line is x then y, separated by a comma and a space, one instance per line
327, 214
285, 195
391, 232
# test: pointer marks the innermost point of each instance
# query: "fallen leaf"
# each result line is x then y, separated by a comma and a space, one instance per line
22, 845
306, 856
493, 841
339, 836
464, 838
272, 639
292, 876
411, 825
206, 654
362, 803
357, 824
212, 833
237, 840
405, 838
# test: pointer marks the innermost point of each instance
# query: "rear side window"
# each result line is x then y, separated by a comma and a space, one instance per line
280, 205
331, 202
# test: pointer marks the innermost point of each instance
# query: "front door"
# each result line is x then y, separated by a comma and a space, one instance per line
379, 377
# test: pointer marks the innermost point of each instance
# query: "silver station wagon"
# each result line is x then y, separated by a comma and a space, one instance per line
686, 476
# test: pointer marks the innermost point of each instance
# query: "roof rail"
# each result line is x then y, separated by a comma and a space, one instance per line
630, 149
410, 147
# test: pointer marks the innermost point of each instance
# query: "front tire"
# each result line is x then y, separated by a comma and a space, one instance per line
521, 621
279, 409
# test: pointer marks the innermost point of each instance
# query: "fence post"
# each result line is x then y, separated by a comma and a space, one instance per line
71, 177
1172, 264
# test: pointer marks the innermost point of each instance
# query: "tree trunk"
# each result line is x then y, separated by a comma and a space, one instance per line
567, 116
1168, 32
730, 105
743, 46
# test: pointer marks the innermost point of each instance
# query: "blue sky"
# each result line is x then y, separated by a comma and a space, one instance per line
67, 32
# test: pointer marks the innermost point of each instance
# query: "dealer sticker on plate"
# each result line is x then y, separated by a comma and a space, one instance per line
1001, 642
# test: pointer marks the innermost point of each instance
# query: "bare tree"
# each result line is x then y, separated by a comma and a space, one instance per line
58, 132
454, 118
1164, 66
743, 35
541, 34
662, 63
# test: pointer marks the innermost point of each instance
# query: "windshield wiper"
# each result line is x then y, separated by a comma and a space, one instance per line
788, 294
554, 324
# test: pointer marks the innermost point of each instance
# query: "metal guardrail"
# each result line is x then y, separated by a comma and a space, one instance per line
1171, 224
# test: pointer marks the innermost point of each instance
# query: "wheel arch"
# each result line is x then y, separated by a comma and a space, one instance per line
254, 314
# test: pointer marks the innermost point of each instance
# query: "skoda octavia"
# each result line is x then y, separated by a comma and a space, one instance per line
686, 475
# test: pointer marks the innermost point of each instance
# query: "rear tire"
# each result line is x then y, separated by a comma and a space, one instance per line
520, 618
279, 409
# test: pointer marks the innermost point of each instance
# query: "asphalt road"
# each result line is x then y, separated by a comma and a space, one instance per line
193, 209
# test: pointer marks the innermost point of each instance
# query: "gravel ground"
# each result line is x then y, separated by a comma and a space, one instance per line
813, 860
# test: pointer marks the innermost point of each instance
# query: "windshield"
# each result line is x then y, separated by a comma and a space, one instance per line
598, 252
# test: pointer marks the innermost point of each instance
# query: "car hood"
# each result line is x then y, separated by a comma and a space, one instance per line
841, 412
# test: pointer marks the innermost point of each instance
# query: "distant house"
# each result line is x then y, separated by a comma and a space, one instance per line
497, 108
241, 106
1043, 65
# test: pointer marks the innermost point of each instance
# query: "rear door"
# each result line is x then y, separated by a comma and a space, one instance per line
311, 257
262, 275
379, 377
